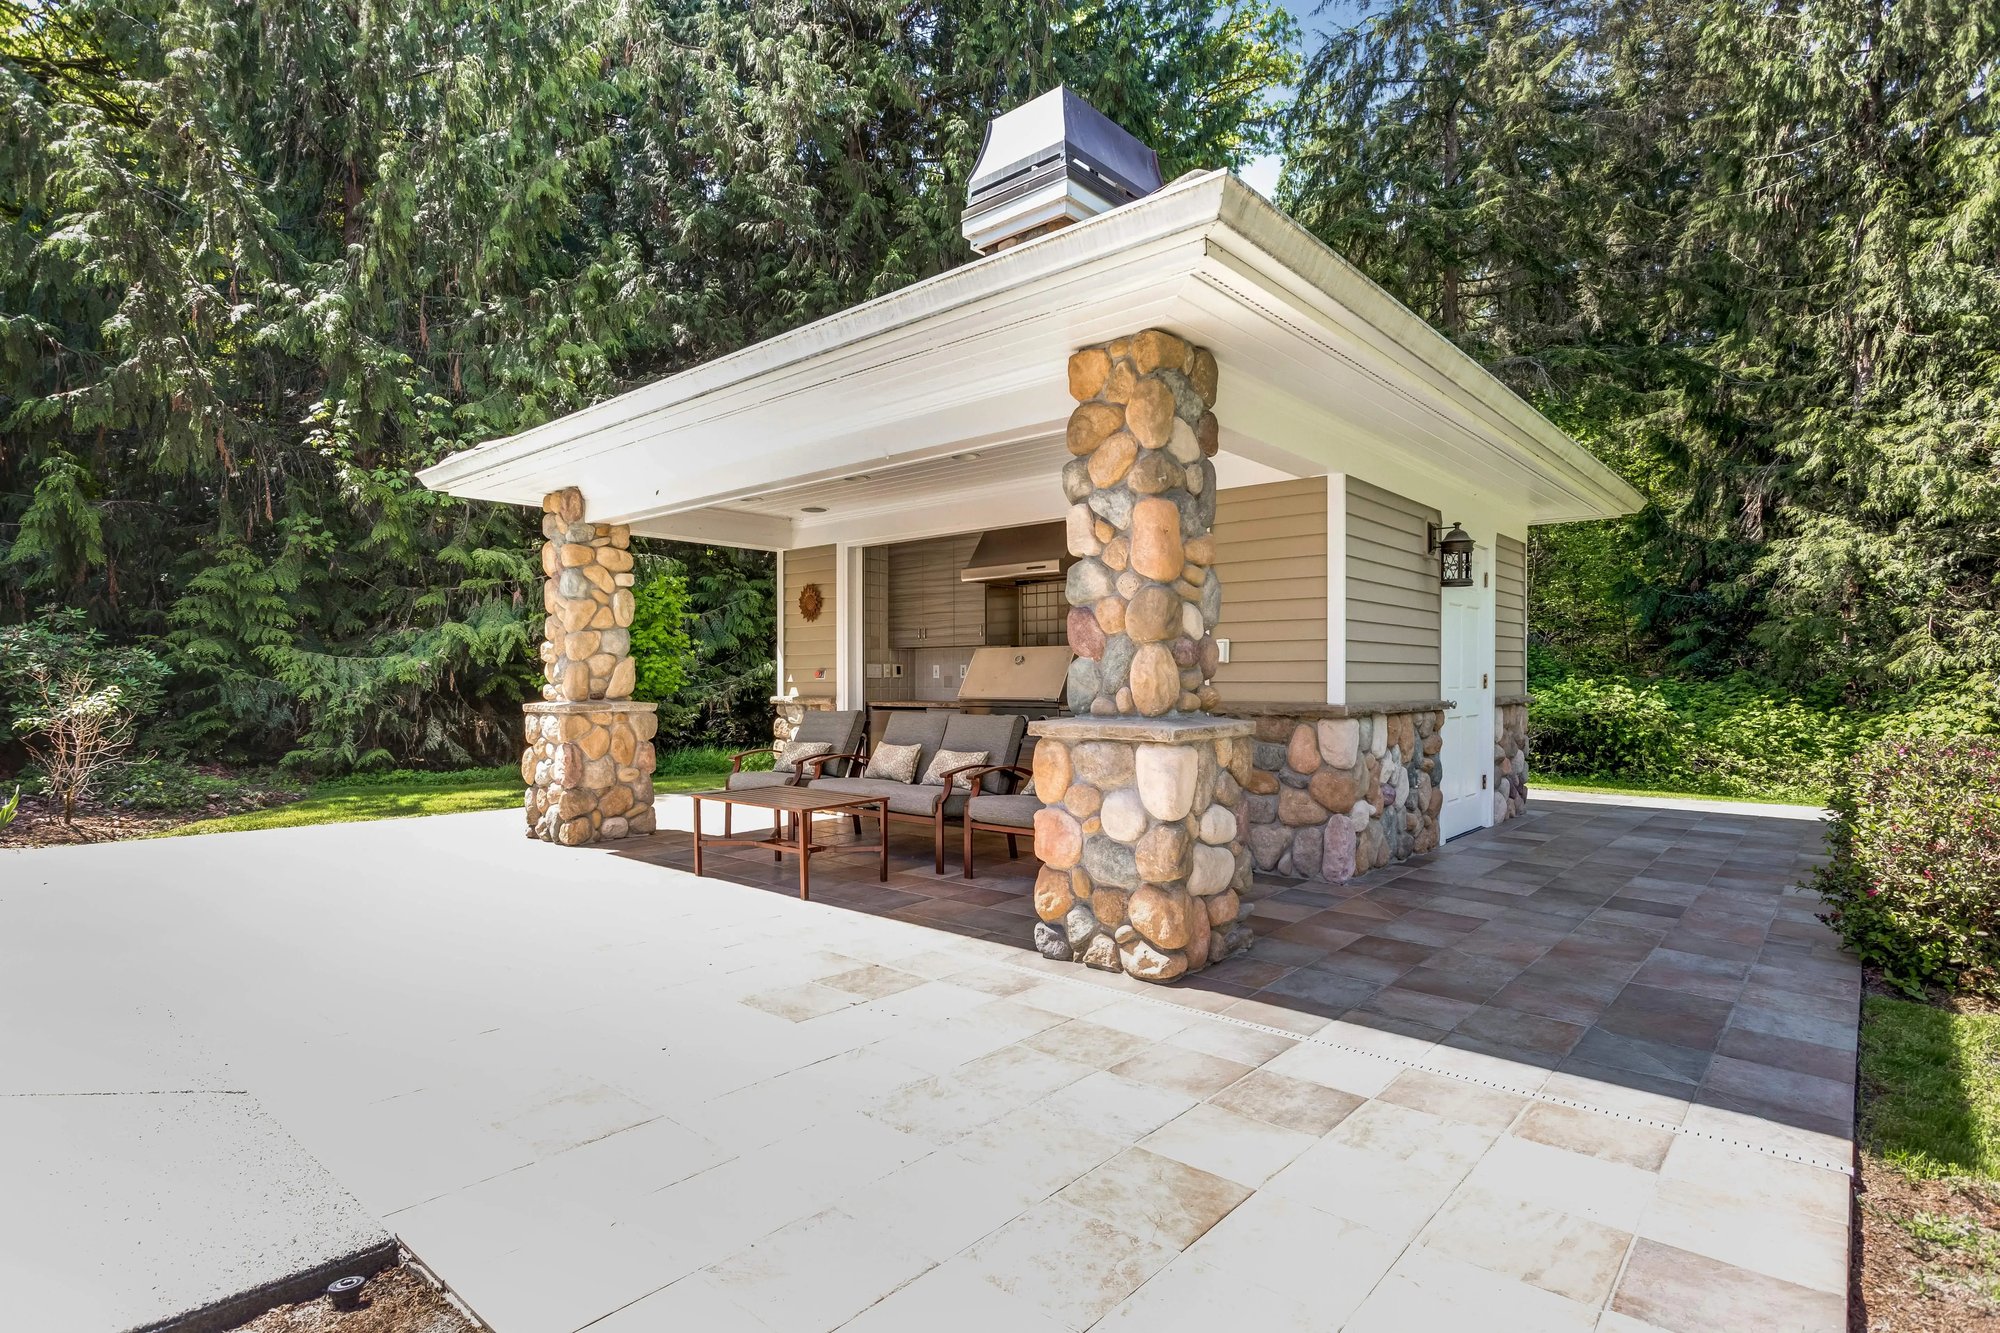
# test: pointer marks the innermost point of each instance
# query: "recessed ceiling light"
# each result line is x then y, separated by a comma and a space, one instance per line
813, 509
969, 455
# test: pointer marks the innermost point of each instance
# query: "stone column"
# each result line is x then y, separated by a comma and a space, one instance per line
1141, 834
588, 761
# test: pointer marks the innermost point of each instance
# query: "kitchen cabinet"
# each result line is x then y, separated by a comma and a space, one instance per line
929, 605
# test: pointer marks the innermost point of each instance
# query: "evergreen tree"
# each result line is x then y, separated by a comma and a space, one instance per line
259, 264
1749, 255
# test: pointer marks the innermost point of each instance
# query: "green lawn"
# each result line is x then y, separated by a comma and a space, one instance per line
1931, 1089
402, 794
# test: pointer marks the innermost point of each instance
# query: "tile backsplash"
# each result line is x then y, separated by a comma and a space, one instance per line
950, 664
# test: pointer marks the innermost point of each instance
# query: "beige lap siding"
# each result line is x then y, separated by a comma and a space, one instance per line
1270, 552
1392, 597
809, 646
1510, 617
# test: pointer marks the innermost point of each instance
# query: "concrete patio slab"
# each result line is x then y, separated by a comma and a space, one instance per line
140, 1186
594, 1092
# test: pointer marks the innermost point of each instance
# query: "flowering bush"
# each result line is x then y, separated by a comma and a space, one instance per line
1914, 884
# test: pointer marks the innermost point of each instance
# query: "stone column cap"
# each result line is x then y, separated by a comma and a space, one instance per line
560, 706
1175, 729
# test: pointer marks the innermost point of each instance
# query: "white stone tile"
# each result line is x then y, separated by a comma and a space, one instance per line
752, 1117
1326, 1263
939, 1204
1155, 1198
1073, 1267
1232, 1146
1115, 1105
1505, 1234
1758, 1179
1760, 1132
691, 1303
1039, 1151
1719, 1223
1188, 1296
956, 1298
817, 1273
1428, 1291
1609, 1193
1357, 1072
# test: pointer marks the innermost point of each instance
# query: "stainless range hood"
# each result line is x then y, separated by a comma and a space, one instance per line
1014, 555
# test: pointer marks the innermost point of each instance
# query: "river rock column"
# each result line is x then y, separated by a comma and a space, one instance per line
1141, 831
1144, 596
588, 761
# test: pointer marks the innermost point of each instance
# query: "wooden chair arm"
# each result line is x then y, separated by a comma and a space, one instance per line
817, 761
736, 760
974, 772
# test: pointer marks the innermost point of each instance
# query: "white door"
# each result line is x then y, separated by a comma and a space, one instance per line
1468, 730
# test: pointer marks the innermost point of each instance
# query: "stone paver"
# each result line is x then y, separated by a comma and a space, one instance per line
595, 1092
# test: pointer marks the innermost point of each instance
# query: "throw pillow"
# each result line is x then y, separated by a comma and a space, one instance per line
947, 760
896, 763
788, 762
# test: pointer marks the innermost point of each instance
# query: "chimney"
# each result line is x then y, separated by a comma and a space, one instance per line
1049, 163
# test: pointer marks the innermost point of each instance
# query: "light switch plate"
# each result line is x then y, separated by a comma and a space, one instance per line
1222, 650
937, 671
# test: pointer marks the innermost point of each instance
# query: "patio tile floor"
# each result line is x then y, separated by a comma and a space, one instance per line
594, 1095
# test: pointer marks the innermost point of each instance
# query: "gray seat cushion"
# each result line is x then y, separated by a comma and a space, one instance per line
905, 798
841, 729
1013, 811
740, 781
997, 734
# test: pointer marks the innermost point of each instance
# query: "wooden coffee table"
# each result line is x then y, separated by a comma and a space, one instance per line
801, 803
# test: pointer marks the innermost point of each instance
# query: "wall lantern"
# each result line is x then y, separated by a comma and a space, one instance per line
1454, 552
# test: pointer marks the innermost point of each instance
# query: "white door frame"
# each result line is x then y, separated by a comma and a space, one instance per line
1472, 805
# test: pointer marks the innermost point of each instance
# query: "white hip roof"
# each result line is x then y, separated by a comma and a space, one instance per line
947, 400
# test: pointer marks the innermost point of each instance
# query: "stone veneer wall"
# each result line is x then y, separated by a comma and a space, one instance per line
588, 758
1510, 756
1144, 594
1336, 791
1142, 864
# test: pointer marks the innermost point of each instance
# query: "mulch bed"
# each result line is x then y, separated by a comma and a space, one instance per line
1906, 1281
397, 1300
1926, 1252
39, 823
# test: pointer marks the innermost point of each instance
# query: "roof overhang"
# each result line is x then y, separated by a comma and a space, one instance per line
953, 389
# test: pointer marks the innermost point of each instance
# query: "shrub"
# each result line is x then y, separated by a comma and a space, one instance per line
1589, 727
1914, 884
661, 649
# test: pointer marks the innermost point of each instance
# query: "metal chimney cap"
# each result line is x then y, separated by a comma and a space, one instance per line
1050, 162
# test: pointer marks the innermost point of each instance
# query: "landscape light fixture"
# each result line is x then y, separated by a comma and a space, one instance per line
1454, 552
345, 1292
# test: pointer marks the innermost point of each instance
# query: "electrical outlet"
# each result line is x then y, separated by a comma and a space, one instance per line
1222, 650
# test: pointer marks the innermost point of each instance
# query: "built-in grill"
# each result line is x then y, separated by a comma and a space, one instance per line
1012, 679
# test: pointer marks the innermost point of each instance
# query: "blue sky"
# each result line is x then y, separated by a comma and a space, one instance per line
1314, 19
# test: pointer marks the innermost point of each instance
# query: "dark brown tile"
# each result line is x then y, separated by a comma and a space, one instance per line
1800, 1057
1515, 1029
1658, 1014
